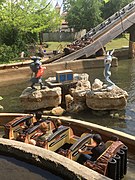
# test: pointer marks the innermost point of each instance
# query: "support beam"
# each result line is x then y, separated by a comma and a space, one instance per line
132, 42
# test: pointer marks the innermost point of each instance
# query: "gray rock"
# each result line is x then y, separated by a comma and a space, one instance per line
1, 108
115, 98
40, 99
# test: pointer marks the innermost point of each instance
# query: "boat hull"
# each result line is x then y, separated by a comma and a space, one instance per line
55, 162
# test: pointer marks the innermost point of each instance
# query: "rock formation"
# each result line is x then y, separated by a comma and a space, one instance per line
40, 99
103, 99
78, 98
57, 111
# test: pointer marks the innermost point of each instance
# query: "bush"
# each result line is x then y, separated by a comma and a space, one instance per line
6, 53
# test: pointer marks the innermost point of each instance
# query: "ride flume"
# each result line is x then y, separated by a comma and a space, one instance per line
66, 138
99, 36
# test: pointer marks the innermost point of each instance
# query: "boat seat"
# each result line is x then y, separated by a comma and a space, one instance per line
100, 165
58, 139
80, 143
72, 152
73, 139
34, 132
17, 125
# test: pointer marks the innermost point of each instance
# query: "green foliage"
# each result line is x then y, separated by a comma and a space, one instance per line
22, 21
87, 14
113, 6
29, 16
67, 5
6, 53
84, 14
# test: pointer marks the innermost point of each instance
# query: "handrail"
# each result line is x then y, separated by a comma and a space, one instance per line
35, 127
31, 129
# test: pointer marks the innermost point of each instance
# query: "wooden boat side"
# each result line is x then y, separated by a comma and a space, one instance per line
48, 160
77, 126
82, 126
127, 139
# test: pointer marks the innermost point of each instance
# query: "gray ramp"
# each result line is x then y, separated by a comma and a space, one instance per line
105, 32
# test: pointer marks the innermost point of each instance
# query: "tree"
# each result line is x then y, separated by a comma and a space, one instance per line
112, 6
84, 14
67, 5
22, 20
29, 15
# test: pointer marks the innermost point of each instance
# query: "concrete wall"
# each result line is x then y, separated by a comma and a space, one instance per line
63, 36
17, 71
48, 160
13, 72
58, 36
122, 53
77, 65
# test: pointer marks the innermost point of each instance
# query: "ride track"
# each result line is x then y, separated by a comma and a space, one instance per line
104, 33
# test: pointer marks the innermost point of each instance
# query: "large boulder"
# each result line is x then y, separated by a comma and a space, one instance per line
40, 99
83, 82
97, 85
74, 106
76, 100
104, 99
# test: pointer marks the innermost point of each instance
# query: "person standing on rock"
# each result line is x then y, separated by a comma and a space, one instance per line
37, 72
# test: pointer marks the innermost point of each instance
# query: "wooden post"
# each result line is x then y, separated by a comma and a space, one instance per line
132, 42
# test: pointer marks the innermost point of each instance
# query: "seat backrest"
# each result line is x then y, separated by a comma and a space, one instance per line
80, 143
101, 164
58, 139
34, 132
17, 125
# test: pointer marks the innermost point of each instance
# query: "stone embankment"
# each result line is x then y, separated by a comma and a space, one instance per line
48, 160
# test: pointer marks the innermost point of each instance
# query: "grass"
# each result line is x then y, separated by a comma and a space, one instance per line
118, 42
56, 45
114, 44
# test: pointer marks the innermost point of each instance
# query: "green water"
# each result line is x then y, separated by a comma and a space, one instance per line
123, 76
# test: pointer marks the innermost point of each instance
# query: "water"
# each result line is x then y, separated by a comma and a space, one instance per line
12, 169
123, 76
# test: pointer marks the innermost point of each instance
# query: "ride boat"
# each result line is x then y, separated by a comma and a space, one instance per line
69, 138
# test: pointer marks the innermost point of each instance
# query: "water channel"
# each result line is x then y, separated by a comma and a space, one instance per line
123, 76
12, 169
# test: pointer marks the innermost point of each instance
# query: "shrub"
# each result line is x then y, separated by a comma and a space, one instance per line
6, 53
